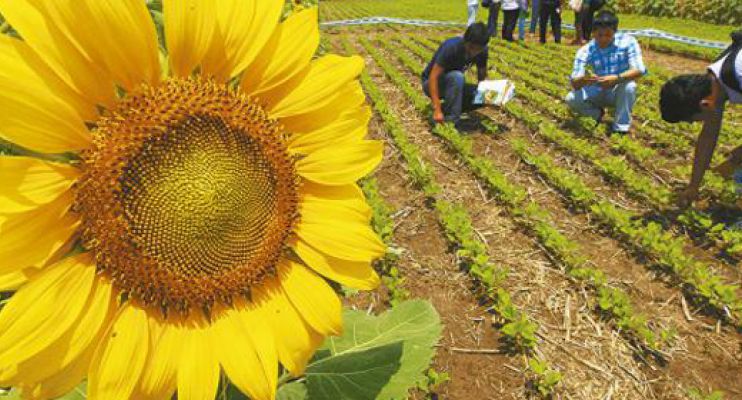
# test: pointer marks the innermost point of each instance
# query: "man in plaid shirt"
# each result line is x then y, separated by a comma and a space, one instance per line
616, 62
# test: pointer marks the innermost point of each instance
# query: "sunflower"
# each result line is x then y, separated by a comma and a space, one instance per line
178, 214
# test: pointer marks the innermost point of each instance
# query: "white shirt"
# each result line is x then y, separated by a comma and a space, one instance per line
472, 2
715, 68
508, 5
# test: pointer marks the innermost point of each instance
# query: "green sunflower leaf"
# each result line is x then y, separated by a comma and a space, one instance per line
292, 391
377, 357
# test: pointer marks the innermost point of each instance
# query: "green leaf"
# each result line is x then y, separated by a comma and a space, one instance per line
292, 391
377, 357
354, 375
79, 393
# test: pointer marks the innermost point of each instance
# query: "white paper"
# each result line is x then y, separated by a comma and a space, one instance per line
494, 93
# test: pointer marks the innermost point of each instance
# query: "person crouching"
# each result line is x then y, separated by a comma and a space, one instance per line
443, 78
616, 59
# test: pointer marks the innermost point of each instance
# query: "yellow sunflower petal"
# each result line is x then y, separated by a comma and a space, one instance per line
245, 27
126, 343
284, 56
84, 334
158, 379
263, 339
341, 164
11, 281
296, 342
198, 367
49, 28
130, 61
339, 232
313, 298
32, 320
348, 97
33, 237
349, 197
324, 78
30, 182
189, 31
37, 111
237, 353
63, 381
351, 126
354, 274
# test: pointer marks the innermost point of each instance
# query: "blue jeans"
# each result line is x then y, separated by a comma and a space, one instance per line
472, 16
456, 94
535, 14
589, 101
522, 25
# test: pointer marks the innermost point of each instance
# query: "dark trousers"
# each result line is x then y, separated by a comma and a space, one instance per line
492, 20
587, 22
510, 19
457, 95
553, 12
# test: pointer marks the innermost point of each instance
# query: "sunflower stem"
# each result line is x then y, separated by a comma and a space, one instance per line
286, 378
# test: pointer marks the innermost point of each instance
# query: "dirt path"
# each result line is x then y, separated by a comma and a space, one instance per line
545, 292
702, 356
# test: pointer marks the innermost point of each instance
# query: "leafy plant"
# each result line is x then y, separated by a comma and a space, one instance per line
545, 380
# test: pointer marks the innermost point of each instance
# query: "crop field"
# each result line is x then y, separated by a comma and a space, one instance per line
553, 252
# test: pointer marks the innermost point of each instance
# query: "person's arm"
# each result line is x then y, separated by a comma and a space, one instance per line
579, 79
435, 97
612, 80
704, 151
482, 66
636, 70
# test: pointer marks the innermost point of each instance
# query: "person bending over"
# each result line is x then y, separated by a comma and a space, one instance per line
691, 98
616, 60
443, 78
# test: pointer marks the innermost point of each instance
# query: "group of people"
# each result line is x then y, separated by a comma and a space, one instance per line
542, 12
604, 76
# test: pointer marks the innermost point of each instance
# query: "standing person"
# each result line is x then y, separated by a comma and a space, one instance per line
551, 10
522, 14
702, 98
617, 61
471, 6
494, 6
535, 15
510, 11
589, 7
576, 6
444, 74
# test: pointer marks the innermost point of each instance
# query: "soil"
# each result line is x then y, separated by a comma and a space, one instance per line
597, 360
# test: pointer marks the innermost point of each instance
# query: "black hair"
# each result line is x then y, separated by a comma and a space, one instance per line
477, 34
606, 19
681, 96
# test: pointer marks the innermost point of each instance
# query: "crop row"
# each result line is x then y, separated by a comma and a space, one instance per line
457, 225
383, 225
647, 107
650, 238
537, 221
615, 168
639, 185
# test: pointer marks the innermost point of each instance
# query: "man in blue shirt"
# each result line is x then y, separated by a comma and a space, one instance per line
445, 73
616, 59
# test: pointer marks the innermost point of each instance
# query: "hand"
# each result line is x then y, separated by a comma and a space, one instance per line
608, 81
438, 117
687, 197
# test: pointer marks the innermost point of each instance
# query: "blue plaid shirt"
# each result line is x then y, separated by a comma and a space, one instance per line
622, 55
